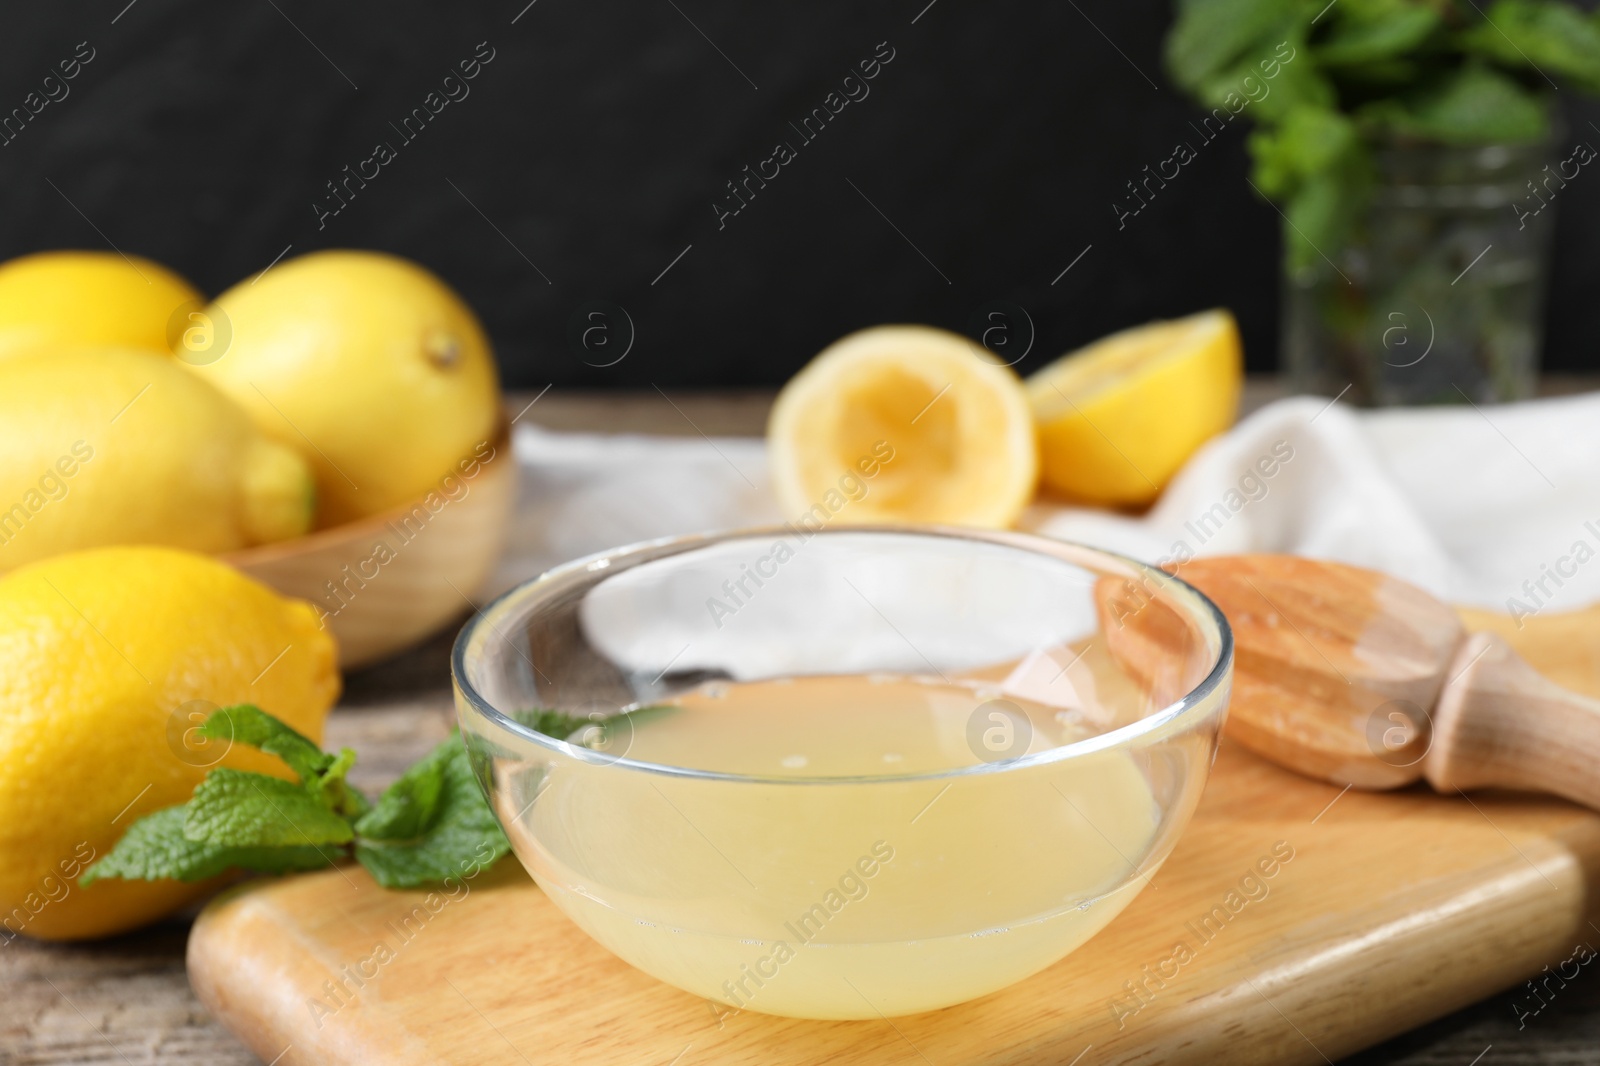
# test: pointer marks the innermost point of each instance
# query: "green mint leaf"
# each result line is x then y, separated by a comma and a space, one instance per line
1320, 216
1309, 141
332, 789
609, 736
323, 774
1541, 37
1209, 35
154, 848
409, 807
1276, 171
1471, 105
239, 809
551, 723
1368, 33
1244, 87
249, 724
459, 838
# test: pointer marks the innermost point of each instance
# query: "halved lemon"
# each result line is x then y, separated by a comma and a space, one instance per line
903, 424
1118, 418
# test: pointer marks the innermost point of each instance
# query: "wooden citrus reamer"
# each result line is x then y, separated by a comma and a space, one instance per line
1354, 677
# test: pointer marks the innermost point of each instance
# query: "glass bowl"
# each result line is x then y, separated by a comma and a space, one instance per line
845, 772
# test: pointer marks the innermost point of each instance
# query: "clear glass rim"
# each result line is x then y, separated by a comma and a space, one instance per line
1171, 717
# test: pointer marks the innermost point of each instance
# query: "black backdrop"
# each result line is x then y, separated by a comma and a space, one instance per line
573, 172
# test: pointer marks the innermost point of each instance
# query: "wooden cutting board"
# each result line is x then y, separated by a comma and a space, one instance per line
1394, 909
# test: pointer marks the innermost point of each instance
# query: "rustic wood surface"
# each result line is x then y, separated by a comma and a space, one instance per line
128, 1000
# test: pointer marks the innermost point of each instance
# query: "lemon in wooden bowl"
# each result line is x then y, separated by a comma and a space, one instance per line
119, 446
367, 364
55, 300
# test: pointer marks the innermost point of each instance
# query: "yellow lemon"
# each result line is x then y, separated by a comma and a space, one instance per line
109, 660
367, 364
1117, 419
55, 300
117, 446
903, 424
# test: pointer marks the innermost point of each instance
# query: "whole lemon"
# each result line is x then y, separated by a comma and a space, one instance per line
117, 446
109, 659
368, 364
53, 300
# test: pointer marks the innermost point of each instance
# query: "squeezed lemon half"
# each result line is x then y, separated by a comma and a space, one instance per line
1118, 418
903, 424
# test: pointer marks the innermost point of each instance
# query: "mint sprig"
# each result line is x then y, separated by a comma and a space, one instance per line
430, 825
1329, 85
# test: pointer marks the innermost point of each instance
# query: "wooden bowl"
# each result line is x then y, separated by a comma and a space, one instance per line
386, 582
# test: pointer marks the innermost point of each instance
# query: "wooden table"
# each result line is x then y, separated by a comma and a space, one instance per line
127, 1000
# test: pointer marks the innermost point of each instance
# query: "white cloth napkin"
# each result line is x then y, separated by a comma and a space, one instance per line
1486, 506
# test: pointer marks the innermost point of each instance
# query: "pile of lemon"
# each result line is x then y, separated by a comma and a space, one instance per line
927, 426
144, 429
330, 387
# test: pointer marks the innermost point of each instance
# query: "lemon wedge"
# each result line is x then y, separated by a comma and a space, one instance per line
1118, 418
903, 424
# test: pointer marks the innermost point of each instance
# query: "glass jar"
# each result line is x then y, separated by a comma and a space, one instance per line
1439, 295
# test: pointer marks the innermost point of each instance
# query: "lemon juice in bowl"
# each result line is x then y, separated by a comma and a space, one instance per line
906, 775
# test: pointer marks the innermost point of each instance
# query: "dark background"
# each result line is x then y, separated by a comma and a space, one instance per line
591, 149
